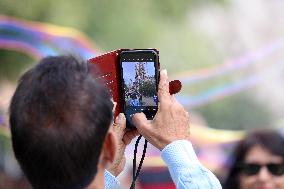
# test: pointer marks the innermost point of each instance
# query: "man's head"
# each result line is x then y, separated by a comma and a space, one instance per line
59, 117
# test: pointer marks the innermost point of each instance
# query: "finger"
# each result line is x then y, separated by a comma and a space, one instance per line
126, 140
173, 99
129, 136
163, 89
120, 120
132, 133
141, 122
175, 102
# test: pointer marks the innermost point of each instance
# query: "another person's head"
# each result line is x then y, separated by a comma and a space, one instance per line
258, 162
60, 117
133, 96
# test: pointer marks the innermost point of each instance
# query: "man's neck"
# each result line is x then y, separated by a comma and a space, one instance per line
98, 182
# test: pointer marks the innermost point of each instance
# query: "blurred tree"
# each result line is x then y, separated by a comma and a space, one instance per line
12, 64
147, 88
126, 24
162, 24
237, 112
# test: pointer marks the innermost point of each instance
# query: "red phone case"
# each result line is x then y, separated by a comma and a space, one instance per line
106, 68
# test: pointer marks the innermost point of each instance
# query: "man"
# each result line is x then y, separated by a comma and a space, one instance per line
60, 119
133, 100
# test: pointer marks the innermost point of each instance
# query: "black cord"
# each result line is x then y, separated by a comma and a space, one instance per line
134, 172
134, 162
142, 159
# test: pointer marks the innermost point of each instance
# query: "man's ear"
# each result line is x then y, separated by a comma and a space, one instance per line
109, 148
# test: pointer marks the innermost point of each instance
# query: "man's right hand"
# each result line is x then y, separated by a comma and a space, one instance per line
171, 122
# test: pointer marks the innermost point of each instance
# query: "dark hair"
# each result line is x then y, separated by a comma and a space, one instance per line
268, 139
133, 96
59, 116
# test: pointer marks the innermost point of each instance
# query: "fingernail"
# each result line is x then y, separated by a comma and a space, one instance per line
164, 71
120, 115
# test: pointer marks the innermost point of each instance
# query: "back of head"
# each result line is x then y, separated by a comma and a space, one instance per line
268, 139
59, 116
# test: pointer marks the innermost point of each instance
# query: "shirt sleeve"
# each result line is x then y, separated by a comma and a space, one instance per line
110, 181
185, 169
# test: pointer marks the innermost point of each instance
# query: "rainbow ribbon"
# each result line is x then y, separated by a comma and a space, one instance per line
39, 39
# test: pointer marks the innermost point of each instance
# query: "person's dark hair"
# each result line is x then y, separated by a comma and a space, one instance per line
59, 116
133, 96
268, 139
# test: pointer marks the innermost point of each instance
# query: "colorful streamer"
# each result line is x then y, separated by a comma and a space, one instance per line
228, 89
235, 65
40, 40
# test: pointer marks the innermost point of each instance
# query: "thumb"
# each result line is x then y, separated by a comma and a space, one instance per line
121, 120
141, 122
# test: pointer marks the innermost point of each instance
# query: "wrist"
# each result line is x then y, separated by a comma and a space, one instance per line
164, 143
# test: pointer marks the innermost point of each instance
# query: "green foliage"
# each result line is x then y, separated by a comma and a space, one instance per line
29, 9
126, 24
147, 88
162, 24
237, 112
12, 64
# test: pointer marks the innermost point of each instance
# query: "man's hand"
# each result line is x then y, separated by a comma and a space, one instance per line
171, 121
123, 137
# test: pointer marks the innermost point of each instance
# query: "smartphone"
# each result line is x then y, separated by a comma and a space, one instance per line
139, 76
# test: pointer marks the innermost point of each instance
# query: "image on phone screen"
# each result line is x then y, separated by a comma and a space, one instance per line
139, 84
140, 87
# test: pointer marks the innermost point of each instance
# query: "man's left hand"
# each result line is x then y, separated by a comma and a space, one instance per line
123, 137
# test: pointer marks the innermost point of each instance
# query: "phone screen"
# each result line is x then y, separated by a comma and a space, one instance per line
139, 70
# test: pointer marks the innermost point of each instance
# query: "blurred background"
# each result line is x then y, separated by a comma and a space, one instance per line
228, 54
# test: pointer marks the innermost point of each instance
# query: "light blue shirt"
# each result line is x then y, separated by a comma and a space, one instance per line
134, 102
185, 169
